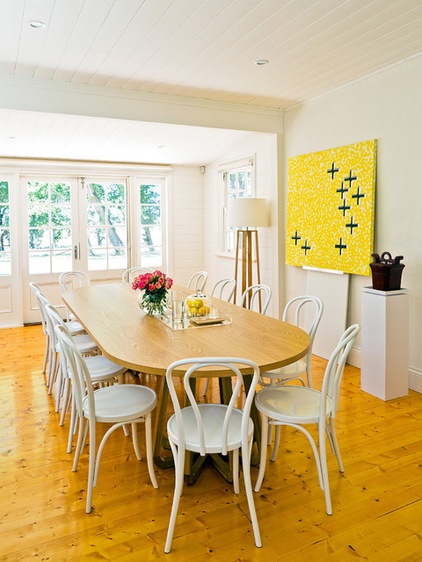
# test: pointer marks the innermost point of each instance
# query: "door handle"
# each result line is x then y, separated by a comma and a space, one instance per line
75, 251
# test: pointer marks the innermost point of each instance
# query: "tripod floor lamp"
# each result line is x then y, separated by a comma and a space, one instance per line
247, 214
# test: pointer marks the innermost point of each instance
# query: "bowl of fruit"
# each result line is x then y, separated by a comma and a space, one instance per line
197, 305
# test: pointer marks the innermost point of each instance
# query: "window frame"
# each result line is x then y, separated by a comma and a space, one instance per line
227, 233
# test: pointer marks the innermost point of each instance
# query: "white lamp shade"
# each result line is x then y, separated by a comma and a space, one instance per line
248, 212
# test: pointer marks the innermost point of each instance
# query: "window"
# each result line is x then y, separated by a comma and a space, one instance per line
237, 182
5, 255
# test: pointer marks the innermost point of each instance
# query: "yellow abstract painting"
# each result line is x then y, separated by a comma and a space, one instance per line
331, 208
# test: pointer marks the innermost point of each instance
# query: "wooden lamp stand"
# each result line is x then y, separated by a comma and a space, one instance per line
245, 240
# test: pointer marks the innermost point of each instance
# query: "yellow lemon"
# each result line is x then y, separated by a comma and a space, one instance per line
194, 303
203, 310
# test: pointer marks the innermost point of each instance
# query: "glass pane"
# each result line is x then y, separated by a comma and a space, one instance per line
151, 257
116, 193
97, 260
96, 215
61, 261
5, 263
96, 238
37, 192
116, 215
38, 238
60, 193
4, 192
4, 215
150, 194
117, 238
95, 192
117, 260
39, 262
151, 235
61, 216
38, 215
150, 214
62, 238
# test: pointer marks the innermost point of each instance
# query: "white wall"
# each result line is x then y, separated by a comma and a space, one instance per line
186, 233
385, 106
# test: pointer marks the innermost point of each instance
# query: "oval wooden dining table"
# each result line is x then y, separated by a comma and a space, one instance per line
126, 335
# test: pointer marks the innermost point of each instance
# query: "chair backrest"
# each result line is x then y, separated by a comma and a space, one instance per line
232, 364
224, 289
53, 319
334, 371
78, 371
36, 290
257, 293
305, 312
70, 280
198, 280
129, 275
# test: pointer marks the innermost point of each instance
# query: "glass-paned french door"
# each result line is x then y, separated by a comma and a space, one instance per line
97, 225
106, 226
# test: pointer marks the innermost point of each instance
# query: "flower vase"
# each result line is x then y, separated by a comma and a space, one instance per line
152, 305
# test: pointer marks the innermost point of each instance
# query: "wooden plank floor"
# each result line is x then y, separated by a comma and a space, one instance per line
377, 502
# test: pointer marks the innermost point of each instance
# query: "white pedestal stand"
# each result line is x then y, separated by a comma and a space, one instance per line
385, 343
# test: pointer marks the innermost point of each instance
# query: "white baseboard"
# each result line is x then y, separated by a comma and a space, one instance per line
415, 380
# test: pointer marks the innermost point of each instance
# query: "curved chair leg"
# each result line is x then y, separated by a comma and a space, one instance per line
276, 443
179, 457
324, 467
246, 456
332, 434
263, 456
235, 461
91, 465
150, 456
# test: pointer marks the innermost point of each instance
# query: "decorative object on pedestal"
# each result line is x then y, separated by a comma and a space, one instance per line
386, 272
247, 214
155, 286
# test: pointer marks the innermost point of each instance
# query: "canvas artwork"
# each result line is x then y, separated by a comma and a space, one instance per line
331, 208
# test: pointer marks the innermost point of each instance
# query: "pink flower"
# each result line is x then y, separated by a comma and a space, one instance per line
153, 282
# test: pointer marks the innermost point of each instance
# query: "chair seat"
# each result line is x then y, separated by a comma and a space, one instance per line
213, 417
100, 367
290, 404
122, 402
85, 343
294, 369
75, 327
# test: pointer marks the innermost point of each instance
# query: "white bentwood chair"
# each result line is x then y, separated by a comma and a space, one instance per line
298, 406
304, 312
116, 405
129, 275
70, 280
36, 290
212, 428
84, 343
198, 280
256, 293
224, 289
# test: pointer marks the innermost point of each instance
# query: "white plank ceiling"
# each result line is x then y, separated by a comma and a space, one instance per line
204, 49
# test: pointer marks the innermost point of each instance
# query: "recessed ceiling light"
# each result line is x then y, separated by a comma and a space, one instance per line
37, 24
261, 62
